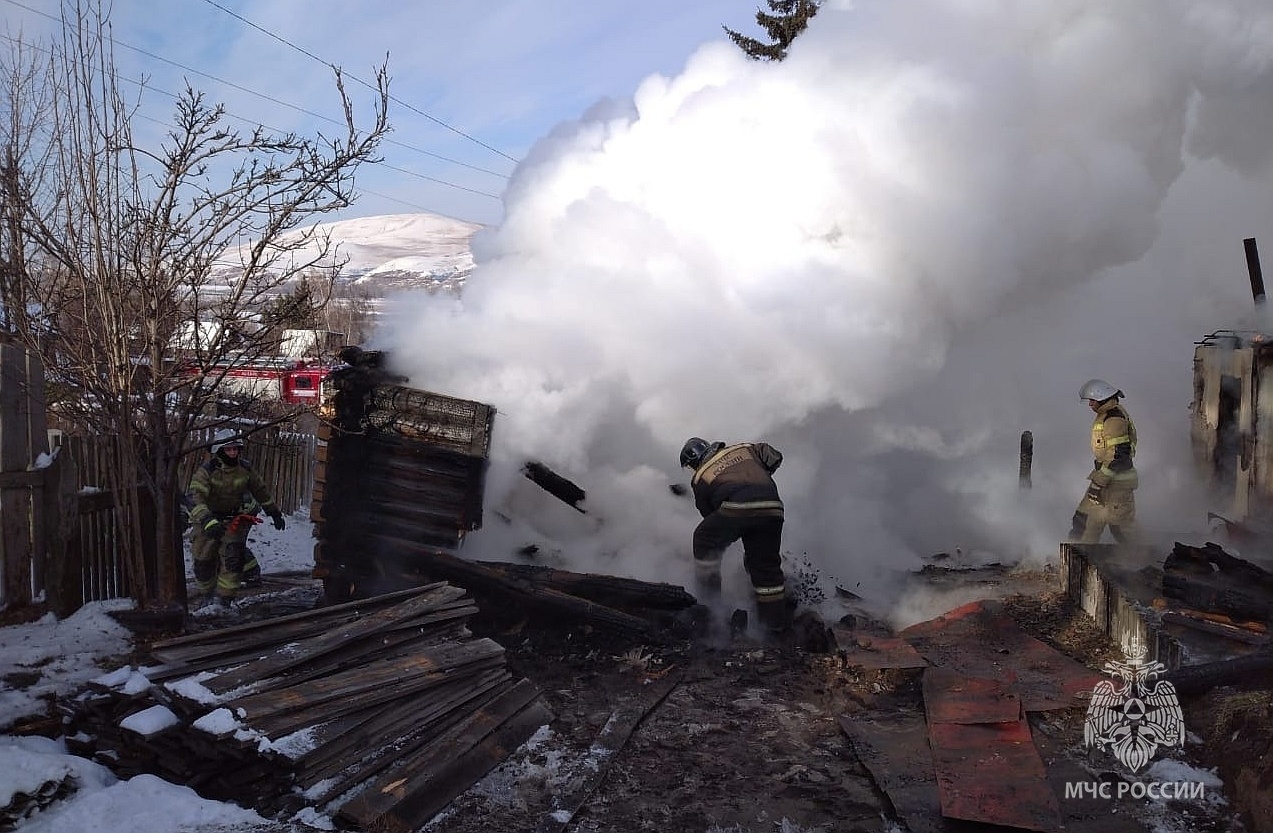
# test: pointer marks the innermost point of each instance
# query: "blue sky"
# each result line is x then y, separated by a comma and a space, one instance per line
503, 72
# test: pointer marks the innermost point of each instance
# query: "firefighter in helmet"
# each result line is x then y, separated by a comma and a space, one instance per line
734, 491
1110, 498
222, 489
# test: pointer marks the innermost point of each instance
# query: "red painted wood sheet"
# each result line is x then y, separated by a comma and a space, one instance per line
991, 773
980, 640
951, 697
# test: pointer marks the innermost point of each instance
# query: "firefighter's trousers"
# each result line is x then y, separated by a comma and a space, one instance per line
762, 542
218, 564
1116, 509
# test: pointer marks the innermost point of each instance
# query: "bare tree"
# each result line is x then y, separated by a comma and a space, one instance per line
24, 152
350, 311
150, 261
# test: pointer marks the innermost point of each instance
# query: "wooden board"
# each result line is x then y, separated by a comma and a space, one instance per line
894, 749
991, 773
428, 782
951, 697
980, 640
875, 653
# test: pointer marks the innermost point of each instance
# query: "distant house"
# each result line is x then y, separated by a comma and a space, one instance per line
193, 336
310, 344
202, 336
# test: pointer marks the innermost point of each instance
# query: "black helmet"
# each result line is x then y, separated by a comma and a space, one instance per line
693, 452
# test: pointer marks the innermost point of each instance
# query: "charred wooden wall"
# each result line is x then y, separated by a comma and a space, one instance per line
395, 464
1231, 421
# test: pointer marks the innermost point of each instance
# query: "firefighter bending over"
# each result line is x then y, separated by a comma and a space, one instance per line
1110, 499
224, 497
734, 491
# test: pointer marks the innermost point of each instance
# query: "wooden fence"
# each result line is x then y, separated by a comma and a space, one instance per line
59, 525
24, 501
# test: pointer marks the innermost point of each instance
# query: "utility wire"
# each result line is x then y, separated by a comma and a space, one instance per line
389, 197
273, 100
393, 98
308, 112
253, 123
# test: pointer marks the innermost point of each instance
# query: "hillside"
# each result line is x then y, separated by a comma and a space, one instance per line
399, 251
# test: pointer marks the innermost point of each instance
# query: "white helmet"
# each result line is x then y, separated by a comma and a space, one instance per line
225, 438
1098, 390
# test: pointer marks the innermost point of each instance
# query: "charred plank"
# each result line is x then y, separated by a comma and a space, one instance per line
614, 591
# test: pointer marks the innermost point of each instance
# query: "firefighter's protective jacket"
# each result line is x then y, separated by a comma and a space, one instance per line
1113, 447
221, 491
737, 480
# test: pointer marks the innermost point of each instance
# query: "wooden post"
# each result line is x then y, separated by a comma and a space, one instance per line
15, 500
64, 575
1254, 271
38, 443
1027, 459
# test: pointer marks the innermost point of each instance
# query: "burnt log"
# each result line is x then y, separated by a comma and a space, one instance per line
1253, 672
438, 565
613, 591
1210, 579
554, 484
1216, 628
1026, 460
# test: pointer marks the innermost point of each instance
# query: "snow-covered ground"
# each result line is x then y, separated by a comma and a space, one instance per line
69, 653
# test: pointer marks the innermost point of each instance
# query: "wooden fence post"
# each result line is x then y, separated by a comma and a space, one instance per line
38, 442
64, 581
15, 499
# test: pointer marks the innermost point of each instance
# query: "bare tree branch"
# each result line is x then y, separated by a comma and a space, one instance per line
144, 261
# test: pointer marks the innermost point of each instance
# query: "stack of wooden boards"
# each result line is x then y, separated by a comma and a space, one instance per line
377, 712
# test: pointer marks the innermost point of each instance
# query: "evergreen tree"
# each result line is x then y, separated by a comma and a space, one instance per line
784, 20
297, 309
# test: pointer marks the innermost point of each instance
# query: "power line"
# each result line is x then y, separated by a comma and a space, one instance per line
253, 122
307, 112
393, 98
273, 100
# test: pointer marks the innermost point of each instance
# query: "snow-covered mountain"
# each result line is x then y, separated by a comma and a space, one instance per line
400, 251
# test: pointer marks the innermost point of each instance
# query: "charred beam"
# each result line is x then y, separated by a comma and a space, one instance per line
607, 590
1026, 459
1253, 672
479, 578
1253, 269
554, 484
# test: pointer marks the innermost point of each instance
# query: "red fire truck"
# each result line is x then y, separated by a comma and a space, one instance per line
296, 382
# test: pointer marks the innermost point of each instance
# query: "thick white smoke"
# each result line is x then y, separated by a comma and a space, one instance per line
888, 255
